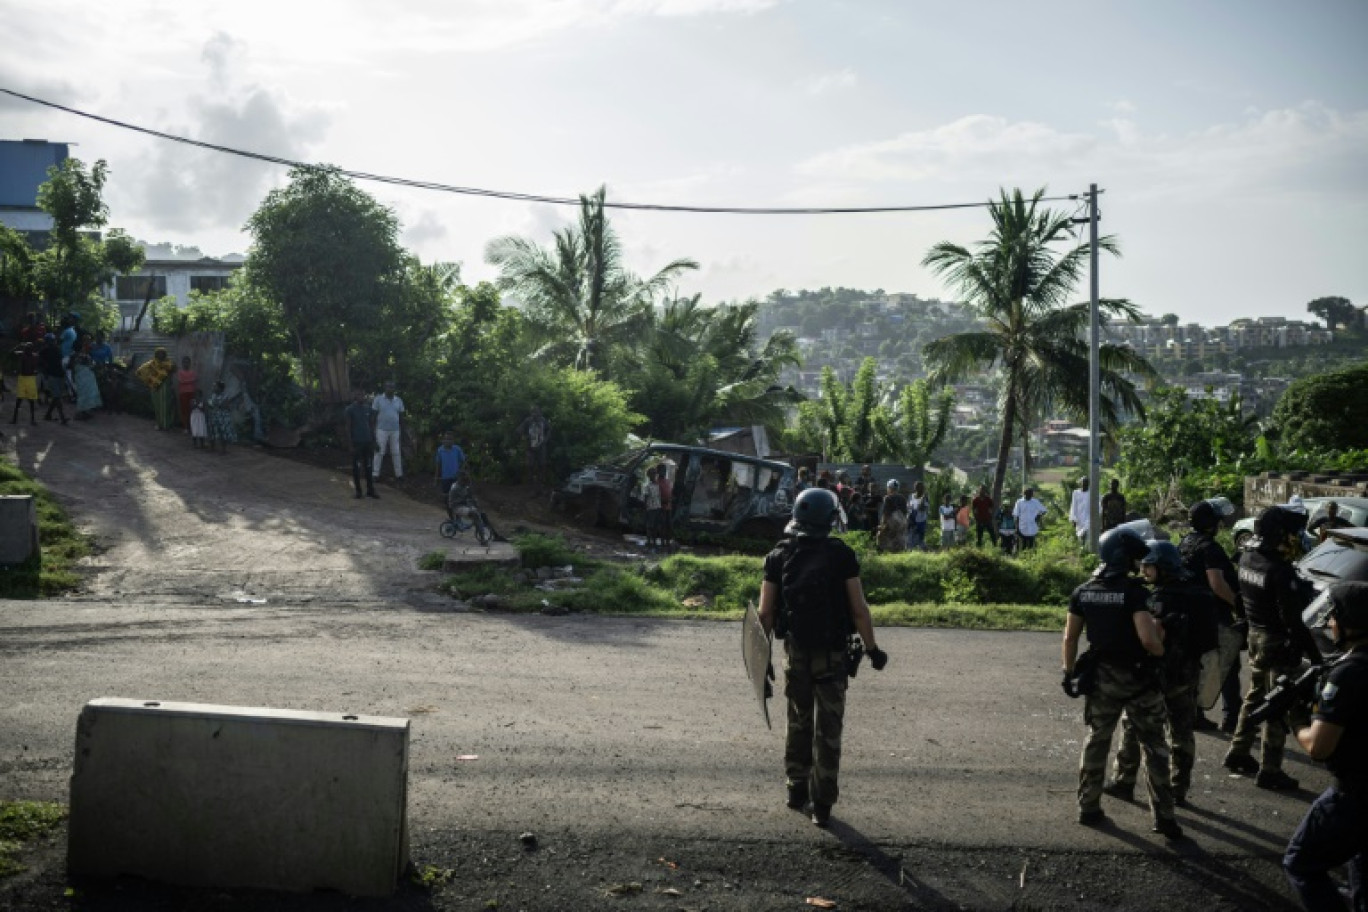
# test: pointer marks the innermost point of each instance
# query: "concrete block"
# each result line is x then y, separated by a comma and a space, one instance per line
231, 797
18, 528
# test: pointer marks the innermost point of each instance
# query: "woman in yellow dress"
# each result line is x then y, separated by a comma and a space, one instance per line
156, 374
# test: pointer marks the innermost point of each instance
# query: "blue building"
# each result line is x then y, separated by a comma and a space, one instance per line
23, 168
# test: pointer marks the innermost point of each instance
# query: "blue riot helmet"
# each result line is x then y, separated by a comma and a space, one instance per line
1165, 556
1119, 549
814, 514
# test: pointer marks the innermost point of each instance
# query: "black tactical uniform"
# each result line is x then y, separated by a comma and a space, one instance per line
1187, 611
1127, 679
1278, 640
1201, 552
1335, 829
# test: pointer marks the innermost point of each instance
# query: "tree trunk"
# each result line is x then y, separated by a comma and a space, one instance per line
334, 377
1004, 447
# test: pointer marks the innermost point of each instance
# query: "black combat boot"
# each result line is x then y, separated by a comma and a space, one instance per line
1124, 791
821, 815
798, 795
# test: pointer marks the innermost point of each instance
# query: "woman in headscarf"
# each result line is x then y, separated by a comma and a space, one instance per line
87, 387
156, 375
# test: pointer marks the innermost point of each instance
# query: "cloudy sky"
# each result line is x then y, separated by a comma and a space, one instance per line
1230, 136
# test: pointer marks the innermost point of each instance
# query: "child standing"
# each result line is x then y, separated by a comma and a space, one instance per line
199, 424
221, 430
948, 521
26, 385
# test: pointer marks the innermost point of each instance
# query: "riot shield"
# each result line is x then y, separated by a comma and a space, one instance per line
1216, 666
755, 651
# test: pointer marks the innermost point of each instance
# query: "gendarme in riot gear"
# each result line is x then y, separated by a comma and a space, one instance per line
1124, 642
1333, 831
1186, 611
812, 598
1278, 640
1207, 562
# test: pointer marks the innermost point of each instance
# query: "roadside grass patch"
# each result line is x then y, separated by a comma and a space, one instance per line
21, 822
970, 617
539, 550
52, 571
433, 560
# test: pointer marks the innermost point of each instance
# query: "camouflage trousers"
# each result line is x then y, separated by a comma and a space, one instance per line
1269, 656
1120, 688
815, 684
1180, 704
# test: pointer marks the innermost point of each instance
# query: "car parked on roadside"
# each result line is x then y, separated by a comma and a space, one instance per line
1353, 509
713, 491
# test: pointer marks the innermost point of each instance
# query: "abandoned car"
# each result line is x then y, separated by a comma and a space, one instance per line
714, 492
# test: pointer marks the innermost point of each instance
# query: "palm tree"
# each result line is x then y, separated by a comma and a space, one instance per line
1018, 283
578, 293
704, 366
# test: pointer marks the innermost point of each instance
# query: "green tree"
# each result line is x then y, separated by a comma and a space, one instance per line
18, 285
1335, 311
1325, 412
1018, 284
704, 367
70, 271
327, 253
849, 423
578, 293
1200, 442
921, 422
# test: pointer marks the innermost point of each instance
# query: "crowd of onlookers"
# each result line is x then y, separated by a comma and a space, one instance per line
913, 522
60, 363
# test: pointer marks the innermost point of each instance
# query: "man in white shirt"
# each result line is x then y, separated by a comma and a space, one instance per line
1027, 512
1080, 511
387, 408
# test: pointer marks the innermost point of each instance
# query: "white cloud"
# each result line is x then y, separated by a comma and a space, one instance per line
978, 144
823, 83
1306, 147
179, 188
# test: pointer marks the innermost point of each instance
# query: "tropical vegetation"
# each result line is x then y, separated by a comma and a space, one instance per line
1019, 283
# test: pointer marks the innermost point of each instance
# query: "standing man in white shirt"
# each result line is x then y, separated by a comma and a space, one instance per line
1027, 512
387, 408
1080, 512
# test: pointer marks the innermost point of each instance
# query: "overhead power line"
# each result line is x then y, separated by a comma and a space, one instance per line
500, 194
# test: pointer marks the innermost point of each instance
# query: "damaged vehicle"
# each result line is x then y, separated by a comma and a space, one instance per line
713, 491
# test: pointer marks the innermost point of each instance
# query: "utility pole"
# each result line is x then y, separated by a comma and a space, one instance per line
1094, 381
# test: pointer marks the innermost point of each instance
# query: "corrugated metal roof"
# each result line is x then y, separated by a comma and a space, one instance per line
23, 166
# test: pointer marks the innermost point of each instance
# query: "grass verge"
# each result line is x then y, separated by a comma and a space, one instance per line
21, 822
961, 588
52, 571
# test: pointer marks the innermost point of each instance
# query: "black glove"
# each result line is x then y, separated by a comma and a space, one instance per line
877, 658
1068, 685
769, 676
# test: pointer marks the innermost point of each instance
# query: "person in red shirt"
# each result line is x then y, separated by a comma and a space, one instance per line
982, 508
186, 387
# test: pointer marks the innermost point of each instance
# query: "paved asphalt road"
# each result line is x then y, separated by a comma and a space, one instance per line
636, 738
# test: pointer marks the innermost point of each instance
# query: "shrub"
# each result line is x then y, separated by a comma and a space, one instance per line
539, 550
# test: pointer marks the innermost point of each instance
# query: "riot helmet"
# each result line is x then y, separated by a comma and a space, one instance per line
814, 513
1206, 515
1165, 556
1279, 530
1119, 549
1347, 602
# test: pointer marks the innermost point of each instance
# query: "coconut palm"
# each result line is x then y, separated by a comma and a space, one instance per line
704, 366
577, 292
1019, 283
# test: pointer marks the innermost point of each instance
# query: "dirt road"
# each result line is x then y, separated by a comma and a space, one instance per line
628, 747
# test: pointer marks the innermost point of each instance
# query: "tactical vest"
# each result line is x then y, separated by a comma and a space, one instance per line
813, 605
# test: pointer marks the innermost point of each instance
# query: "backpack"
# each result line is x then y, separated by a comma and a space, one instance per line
813, 610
